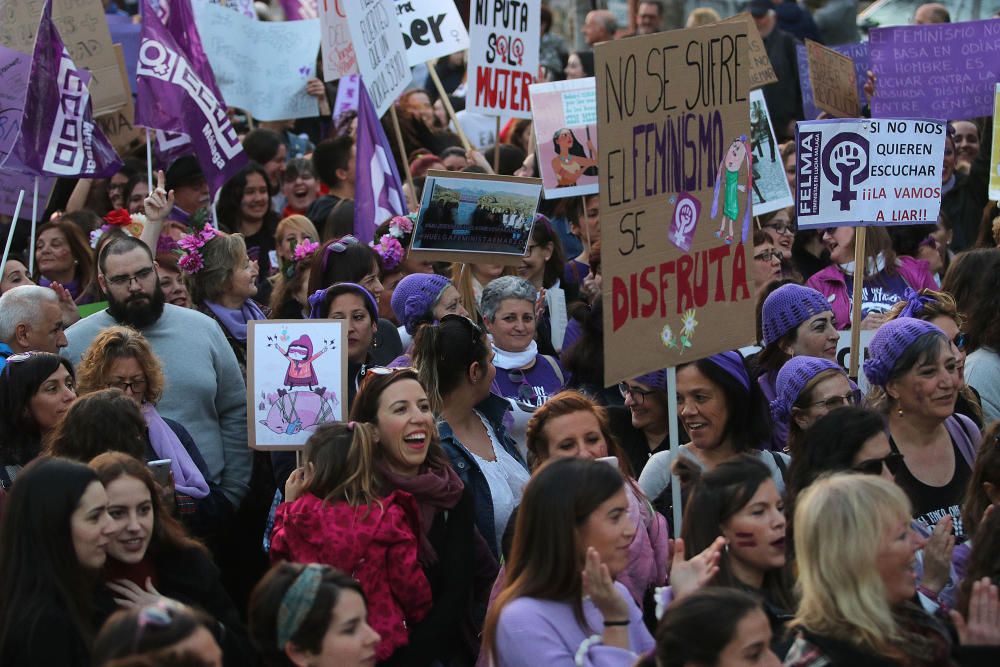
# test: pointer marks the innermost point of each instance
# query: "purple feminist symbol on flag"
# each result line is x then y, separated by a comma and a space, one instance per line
58, 136
378, 189
845, 164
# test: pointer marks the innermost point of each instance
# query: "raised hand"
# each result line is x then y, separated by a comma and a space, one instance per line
159, 203
983, 625
687, 576
937, 556
598, 584
298, 482
129, 595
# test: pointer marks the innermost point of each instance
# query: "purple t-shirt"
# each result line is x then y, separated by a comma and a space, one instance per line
539, 383
878, 293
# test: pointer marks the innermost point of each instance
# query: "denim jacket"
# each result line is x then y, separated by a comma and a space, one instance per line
464, 463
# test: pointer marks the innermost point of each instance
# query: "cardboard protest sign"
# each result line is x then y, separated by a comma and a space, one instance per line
564, 120
260, 66
431, 29
879, 172
834, 81
858, 53
381, 52
84, 32
994, 188
296, 380
761, 70
339, 58
674, 123
770, 185
943, 70
119, 126
475, 218
11, 184
503, 58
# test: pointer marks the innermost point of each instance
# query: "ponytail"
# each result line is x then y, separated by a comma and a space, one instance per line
443, 353
425, 359
343, 460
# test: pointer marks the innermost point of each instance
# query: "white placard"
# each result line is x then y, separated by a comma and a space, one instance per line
770, 185
339, 59
379, 46
555, 299
503, 58
431, 29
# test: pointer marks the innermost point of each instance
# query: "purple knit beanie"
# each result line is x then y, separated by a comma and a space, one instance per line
415, 296
792, 379
890, 342
787, 307
732, 364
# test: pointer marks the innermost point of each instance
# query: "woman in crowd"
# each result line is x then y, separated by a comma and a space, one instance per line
470, 279
964, 190
543, 265
340, 488
150, 555
311, 615
580, 65
855, 552
886, 276
55, 533
455, 559
291, 233
423, 298
455, 366
641, 424
983, 562
15, 273
102, 421
587, 228
570, 425
766, 261
175, 289
912, 368
808, 388
62, 255
974, 280
297, 244
921, 243
392, 240
136, 191
982, 493
163, 631
300, 186
573, 518
245, 208
524, 377
724, 415
36, 390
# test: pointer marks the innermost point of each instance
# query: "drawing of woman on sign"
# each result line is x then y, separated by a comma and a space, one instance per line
300, 363
570, 161
728, 180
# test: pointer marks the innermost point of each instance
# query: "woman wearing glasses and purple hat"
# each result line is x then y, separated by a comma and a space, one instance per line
641, 425
807, 389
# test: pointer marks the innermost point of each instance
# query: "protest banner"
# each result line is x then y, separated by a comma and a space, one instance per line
564, 120
858, 53
674, 122
380, 50
943, 70
475, 218
297, 10
834, 81
339, 58
994, 188
503, 59
260, 66
761, 70
431, 29
296, 380
880, 172
14, 69
347, 95
85, 35
127, 35
119, 126
770, 185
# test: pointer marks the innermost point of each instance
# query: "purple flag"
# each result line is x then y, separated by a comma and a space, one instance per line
58, 136
299, 9
378, 192
173, 97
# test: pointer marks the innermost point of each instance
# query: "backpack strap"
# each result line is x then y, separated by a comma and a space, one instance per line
555, 369
780, 462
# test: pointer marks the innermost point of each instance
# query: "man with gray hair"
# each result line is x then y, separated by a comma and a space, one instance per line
599, 26
31, 320
931, 12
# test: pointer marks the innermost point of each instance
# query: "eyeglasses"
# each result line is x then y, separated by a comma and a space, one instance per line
138, 277
135, 386
893, 462
768, 255
638, 395
781, 227
959, 341
834, 402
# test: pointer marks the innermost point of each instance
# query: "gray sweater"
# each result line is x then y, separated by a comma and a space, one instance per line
982, 372
204, 389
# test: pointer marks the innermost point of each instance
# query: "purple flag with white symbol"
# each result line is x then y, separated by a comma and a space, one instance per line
299, 9
378, 191
58, 136
172, 97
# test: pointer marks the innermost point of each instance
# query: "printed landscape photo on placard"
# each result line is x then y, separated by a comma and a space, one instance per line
475, 217
770, 185
565, 124
296, 380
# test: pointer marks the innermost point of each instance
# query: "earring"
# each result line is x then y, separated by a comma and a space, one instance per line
899, 411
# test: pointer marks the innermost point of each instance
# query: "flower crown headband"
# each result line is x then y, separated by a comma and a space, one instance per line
389, 247
190, 245
131, 224
301, 252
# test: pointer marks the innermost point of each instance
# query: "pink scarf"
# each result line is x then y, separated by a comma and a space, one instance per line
187, 478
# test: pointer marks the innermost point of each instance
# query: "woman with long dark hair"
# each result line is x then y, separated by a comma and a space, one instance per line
570, 161
245, 207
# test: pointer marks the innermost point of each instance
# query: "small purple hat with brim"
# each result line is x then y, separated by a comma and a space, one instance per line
415, 296
732, 364
787, 307
792, 379
890, 343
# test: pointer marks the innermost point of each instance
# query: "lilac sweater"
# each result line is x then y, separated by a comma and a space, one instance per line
533, 632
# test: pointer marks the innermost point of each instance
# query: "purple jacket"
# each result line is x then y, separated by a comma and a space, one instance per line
830, 283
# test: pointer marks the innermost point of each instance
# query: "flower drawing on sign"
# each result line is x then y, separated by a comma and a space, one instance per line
684, 340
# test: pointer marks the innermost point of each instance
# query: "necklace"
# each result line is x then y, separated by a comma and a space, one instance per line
565, 160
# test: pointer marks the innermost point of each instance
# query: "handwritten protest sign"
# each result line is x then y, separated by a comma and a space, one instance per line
565, 124
995, 155
381, 52
858, 53
945, 70
674, 123
431, 29
834, 81
260, 66
339, 58
503, 60
475, 218
869, 172
770, 185
761, 70
11, 183
85, 33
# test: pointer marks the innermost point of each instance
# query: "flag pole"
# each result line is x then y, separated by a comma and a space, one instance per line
496, 149
34, 223
149, 162
860, 265
447, 105
411, 199
10, 234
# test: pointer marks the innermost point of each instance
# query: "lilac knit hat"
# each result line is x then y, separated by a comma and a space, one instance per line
655, 380
890, 342
792, 379
787, 307
415, 296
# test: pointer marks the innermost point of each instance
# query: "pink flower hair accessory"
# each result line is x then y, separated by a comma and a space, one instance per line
190, 245
401, 225
390, 250
304, 250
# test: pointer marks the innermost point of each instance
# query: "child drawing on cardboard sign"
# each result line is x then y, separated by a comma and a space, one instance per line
300, 371
729, 172
291, 411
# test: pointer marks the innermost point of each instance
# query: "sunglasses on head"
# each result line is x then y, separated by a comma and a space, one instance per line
525, 392
892, 461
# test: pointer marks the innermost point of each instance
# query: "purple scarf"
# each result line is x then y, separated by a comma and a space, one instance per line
235, 321
187, 478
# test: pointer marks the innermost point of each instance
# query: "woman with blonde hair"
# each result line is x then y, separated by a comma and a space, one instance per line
295, 241
855, 554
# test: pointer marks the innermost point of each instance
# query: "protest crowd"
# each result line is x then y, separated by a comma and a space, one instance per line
245, 419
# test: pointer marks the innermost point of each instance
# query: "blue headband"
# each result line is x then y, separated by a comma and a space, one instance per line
297, 602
